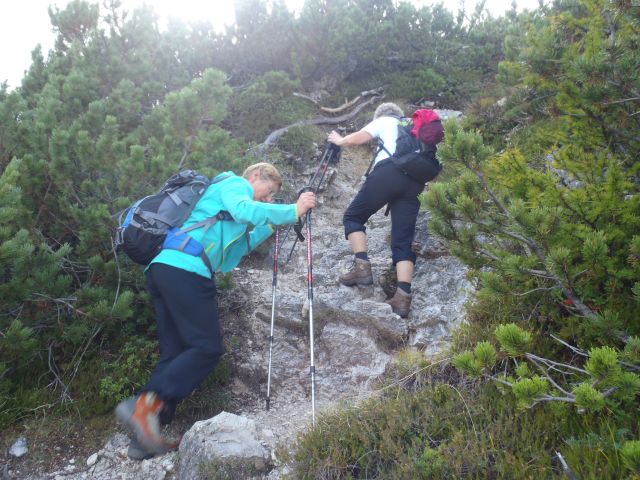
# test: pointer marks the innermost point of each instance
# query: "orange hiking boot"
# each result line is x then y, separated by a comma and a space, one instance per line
141, 416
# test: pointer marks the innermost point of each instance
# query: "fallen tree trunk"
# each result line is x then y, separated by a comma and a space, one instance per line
376, 92
274, 136
347, 105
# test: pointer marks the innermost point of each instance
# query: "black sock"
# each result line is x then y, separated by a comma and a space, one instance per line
362, 256
405, 287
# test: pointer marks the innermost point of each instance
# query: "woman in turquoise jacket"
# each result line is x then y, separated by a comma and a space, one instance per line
184, 297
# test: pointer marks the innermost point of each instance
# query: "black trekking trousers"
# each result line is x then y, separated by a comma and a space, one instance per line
189, 331
387, 184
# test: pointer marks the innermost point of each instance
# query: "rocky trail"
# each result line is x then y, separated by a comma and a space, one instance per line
356, 337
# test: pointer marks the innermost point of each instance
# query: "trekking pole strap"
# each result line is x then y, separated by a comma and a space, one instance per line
297, 227
375, 155
382, 147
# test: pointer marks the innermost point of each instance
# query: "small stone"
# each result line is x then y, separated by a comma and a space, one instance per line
91, 461
19, 447
72, 461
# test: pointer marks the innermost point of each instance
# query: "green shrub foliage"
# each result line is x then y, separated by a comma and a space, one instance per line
631, 456
104, 121
539, 197
118, 105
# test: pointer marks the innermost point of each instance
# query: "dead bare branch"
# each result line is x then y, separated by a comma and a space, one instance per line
65, 397
376, 92
62, 301
306, 97
274, 136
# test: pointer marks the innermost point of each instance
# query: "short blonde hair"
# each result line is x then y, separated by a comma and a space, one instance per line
267, 172
388, 110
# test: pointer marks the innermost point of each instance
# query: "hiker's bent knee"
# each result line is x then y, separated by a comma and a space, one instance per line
351, 226
401, 255
212, 352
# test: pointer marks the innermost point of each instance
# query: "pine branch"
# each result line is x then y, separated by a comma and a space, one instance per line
186, 151
582, 353
551, 363
43, 206
488, 255
61, 301
539, 289
567, 291
550, 398
545, 373
624, 100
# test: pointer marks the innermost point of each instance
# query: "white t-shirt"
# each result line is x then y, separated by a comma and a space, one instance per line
385, 129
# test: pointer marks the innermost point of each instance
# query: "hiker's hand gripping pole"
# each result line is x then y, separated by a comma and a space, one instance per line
306, 201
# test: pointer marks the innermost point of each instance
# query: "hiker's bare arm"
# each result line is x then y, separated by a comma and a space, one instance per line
356, 138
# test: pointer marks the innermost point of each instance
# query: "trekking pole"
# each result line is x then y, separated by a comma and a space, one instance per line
274, 285
330, 152
312, 368
320, 167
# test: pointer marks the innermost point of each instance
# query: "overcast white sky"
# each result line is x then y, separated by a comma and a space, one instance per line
25, 23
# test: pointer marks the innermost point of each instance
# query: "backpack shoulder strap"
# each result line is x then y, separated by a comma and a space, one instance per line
381, 147
220, 177
188, 212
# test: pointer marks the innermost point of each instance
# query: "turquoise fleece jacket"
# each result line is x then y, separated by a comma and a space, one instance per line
225, 243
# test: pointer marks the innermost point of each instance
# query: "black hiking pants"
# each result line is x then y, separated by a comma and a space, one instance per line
387, 184
189, 331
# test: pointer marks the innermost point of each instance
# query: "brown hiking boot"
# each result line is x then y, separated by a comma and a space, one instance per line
400, 303
358, 274
141, 416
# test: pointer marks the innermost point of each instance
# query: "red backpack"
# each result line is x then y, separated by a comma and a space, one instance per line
427, 127
416, 144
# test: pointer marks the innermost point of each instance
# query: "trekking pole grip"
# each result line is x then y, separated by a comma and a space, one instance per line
297, 227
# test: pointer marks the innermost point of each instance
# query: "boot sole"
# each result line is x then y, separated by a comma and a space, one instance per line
359, 281
137, 453
397, 311
124, 413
